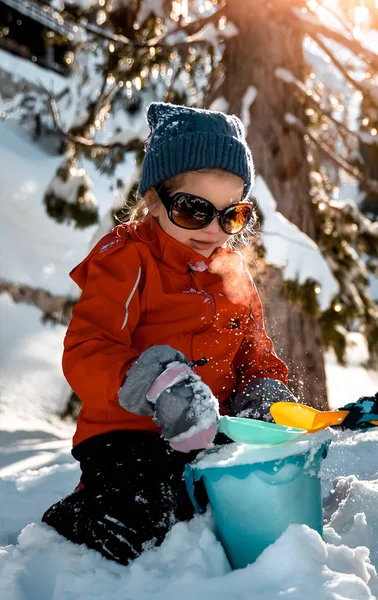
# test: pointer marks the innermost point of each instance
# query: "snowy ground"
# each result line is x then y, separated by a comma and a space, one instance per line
36, 467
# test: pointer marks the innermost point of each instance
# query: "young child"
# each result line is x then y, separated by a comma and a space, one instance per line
167, 334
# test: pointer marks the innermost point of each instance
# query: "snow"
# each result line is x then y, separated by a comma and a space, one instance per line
220, 104
344, 382
29, 236
68, 190
157, 7
211, 34
285, 75
248, 99
325, 71
35, 250
37, 469
291, 250
191, 563
22, 68
199, 266
233, 455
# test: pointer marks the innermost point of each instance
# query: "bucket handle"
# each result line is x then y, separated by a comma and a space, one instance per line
191, 476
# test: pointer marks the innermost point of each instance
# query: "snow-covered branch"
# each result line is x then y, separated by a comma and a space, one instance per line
365, 183
131, 146
310, 24
58, 306
189, 29
313, 99
350, 208
338, 64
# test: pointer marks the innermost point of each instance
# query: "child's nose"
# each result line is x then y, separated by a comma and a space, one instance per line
214, 226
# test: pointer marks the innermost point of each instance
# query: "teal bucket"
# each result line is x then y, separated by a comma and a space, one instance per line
253, 504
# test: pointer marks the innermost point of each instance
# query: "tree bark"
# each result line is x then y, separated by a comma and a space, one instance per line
266, 41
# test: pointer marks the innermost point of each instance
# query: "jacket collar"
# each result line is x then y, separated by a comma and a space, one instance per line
168, 250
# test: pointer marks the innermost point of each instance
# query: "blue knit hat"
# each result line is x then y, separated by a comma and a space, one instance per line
188, 139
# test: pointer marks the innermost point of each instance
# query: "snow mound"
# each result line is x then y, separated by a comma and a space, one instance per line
189, 564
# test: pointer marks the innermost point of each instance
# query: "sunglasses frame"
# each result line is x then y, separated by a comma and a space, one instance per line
168, 202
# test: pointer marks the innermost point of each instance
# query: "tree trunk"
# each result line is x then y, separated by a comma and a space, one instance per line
265, 42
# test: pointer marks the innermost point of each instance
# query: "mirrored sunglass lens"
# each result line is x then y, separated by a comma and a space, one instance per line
236, 218
191, 213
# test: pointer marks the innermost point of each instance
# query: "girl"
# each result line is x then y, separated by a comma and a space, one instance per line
168, 332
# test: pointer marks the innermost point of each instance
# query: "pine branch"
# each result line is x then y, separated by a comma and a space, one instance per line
356, 84
314, 27
214, 82
133, 145
100, 32
121, 39
340, 19
313, 100
190, 28
350, 209
57, 306
366, 184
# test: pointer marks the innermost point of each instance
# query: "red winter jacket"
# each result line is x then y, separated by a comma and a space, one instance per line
141, 287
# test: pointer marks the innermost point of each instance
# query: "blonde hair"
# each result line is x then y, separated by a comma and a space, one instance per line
140, 210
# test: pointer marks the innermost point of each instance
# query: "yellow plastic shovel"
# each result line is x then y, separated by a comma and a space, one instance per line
301, 416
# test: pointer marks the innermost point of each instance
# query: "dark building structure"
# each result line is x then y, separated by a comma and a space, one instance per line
37, 32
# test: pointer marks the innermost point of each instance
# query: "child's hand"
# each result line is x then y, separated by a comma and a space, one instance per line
361, 413
258, 395
187, 413
161, 383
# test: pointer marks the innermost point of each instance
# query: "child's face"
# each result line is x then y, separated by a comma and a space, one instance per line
221, 190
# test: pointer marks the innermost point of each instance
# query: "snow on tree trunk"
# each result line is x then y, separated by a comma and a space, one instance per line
265, 42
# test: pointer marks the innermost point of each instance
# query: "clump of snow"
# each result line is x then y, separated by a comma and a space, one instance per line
248, 99
233, 455
75, 187
220, 104
290, 119
199, 266
285, 75
354, 514
210, 33
288, 248
203, 411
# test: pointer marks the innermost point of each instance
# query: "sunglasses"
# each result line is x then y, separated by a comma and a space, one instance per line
190, 211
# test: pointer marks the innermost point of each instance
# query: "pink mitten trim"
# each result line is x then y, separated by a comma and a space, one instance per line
174, 373
198, 441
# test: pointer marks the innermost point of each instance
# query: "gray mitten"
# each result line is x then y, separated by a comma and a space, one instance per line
142, 374
162, 384
255, 400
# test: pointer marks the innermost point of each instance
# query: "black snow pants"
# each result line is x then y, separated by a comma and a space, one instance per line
131, 493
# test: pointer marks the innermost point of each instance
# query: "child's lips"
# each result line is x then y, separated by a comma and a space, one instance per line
202, 244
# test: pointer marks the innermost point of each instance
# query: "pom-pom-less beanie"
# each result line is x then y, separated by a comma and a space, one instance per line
188, 139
